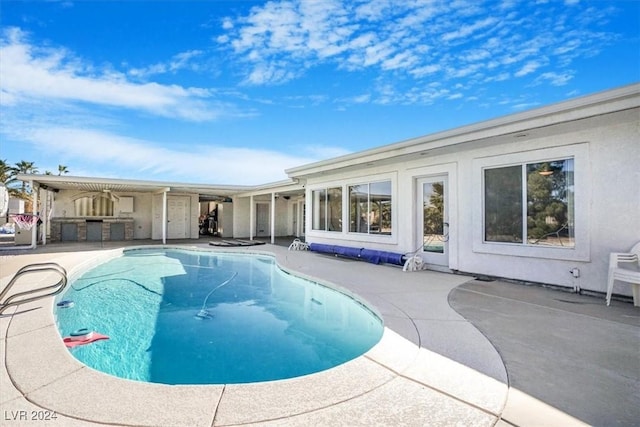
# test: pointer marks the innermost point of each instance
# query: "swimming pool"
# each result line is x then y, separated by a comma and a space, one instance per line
178, 316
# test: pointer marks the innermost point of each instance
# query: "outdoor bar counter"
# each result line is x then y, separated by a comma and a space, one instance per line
94, 229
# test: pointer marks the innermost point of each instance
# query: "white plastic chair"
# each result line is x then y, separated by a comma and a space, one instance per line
625, 267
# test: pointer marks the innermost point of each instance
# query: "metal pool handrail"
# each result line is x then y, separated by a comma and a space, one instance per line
28, 269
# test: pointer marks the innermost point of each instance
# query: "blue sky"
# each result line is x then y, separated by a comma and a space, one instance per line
234, 92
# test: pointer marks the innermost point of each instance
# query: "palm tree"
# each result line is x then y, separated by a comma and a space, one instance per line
62, 169
8, 177
24, 167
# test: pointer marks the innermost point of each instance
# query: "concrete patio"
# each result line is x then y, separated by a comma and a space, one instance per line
456, 351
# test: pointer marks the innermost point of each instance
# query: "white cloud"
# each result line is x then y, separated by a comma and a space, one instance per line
227, 24
180, 61
425, 70
362, 99
400, 60
377, 53
468, 30
498, 77
135, 158
528, 68
402, 44
555, 79
30, 72
568, 46
305, 32
373, 10
465, 70
449, 41
474, 55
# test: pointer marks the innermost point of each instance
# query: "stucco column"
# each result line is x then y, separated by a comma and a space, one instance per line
34, 211
45, 221
164, 217
273, 218
251, 217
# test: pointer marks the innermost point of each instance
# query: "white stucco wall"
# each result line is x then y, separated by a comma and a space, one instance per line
192, 215
141, 214
64, 207
192, 220
147, 212
241, 218
225, 212
607, 153
283, 218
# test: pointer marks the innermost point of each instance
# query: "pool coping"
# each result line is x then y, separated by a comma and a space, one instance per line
396, 376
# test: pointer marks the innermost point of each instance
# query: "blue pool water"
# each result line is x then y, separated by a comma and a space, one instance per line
176, 316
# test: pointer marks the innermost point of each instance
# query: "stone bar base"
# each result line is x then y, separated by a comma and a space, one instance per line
78, 229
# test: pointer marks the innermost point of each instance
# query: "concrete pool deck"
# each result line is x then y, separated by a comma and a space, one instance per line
432, 367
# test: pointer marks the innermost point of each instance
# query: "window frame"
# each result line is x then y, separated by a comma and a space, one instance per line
345, 235
369, 203
522, 203
579, 153
325, 203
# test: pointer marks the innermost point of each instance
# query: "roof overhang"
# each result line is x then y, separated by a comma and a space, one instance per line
92, 184
287, 187
522, 126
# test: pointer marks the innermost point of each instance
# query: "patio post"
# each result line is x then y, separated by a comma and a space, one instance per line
273, 218
34, 211
164, 217
45, 221
251, 219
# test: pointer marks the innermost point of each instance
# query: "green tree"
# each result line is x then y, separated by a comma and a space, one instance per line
434, 212
503, 204
546, 199
62, 170
8, 178
24, 167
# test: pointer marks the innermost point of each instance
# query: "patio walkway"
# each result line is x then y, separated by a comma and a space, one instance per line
519, 356
561, 349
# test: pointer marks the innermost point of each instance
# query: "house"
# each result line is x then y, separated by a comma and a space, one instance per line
538, 196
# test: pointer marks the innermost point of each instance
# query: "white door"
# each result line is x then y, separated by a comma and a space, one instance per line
177, 217
433, 220
262, 220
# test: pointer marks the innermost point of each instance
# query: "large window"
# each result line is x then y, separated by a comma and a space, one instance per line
370, 208
530, 204
327, 209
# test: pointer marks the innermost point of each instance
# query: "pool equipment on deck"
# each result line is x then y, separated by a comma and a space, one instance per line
204, 313
369, 255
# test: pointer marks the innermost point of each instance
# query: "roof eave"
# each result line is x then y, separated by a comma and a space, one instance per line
579, 108
61, 181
